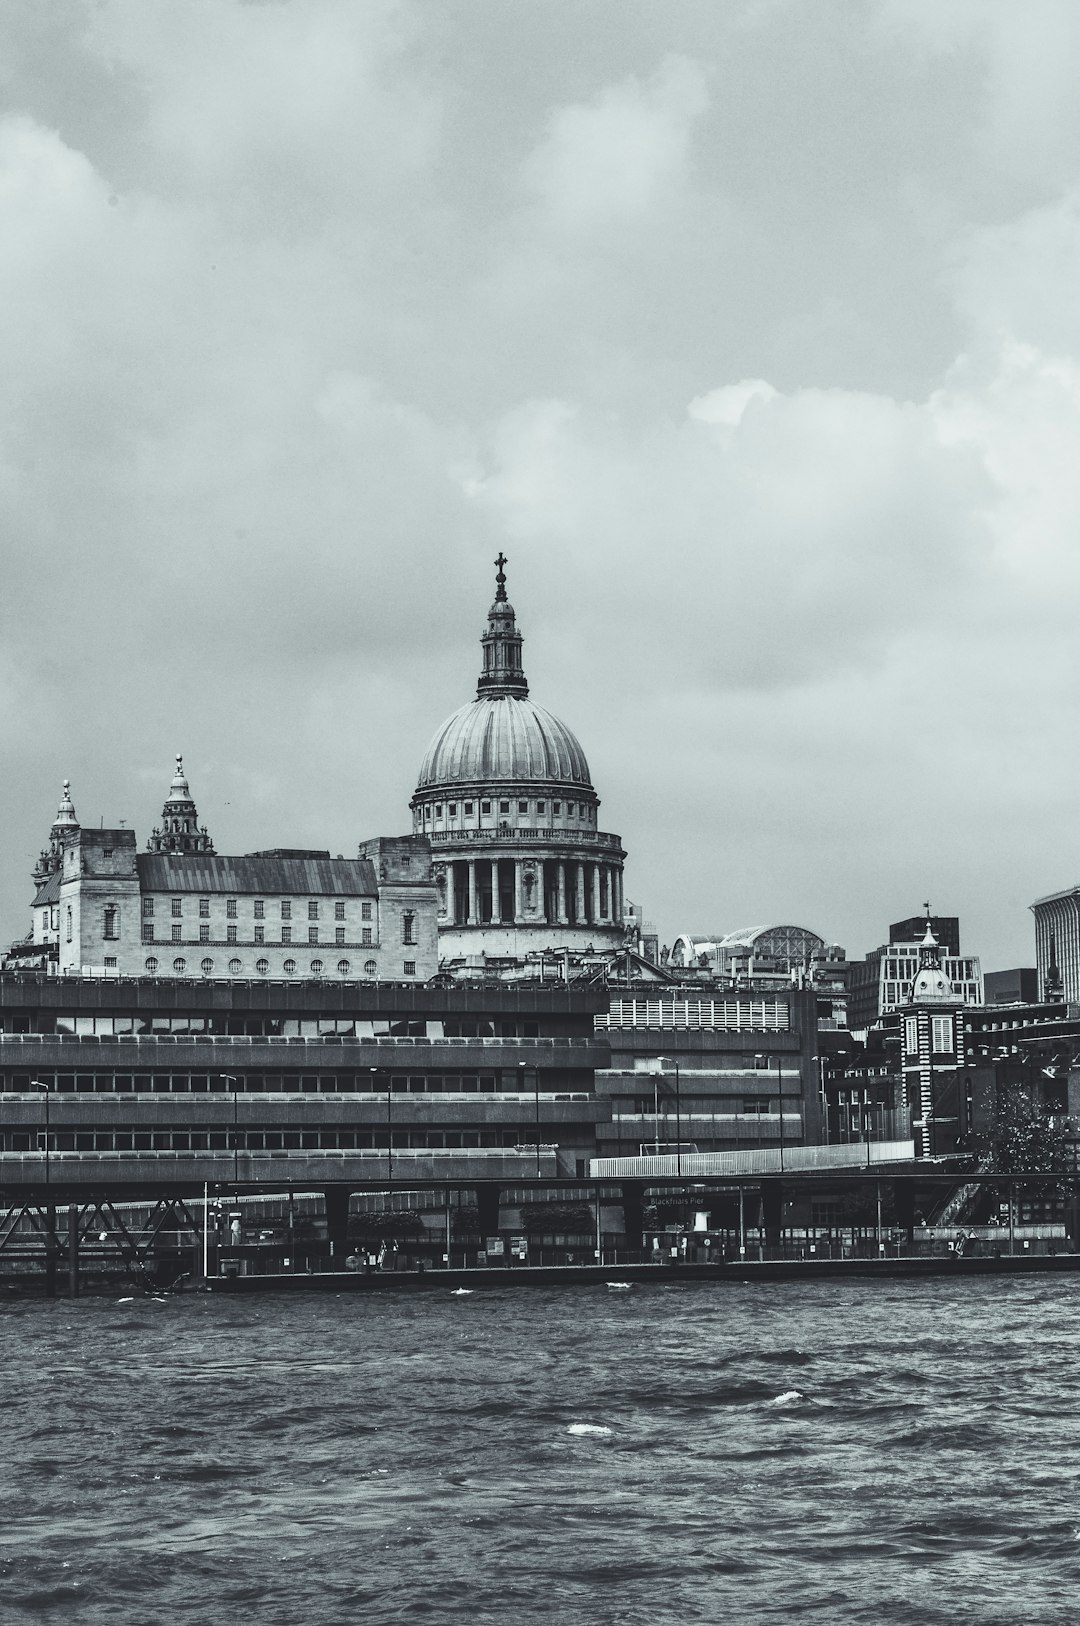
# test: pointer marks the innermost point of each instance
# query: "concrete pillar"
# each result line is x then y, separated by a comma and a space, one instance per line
73, 1250
616, 881
561, 877
519, 899
496, 904
474, 906
581, 894
594, 914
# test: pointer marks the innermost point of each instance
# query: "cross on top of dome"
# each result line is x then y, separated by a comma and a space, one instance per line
500, 578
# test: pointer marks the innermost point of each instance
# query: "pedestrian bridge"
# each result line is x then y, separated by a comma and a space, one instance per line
759, 1160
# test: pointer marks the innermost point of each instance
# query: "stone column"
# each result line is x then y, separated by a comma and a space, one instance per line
594, 915
474, 904
561, 877
518, 891
616, 876
496, 902
580, 893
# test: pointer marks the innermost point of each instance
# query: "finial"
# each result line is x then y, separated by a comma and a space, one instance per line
500, 579
926, 906
67, 787
179, 765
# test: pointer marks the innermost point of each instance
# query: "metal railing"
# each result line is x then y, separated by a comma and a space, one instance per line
760, 1160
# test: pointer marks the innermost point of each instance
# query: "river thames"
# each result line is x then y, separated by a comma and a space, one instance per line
826, 1452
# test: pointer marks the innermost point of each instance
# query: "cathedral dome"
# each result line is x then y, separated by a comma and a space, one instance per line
503, 738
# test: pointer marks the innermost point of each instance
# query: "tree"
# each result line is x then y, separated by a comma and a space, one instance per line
1024, 1139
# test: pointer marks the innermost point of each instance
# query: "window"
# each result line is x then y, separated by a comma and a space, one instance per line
339, 909
410, 968
148, 931
312, 909
485, 807
235, 968
179, 965
438, 810
452, 809
178, 934
286, 934
313, 935
204, 908
260, 908
570, 806
541, 807
556, 807
504, 807
468, 810
204, 934
69, 923
112, 922
943, 1035
147, 906
110, 961
753, 1104
151, 965
365, 936
260, 934
343, 968
206, 967
365, 911
408, 927
523, 807
370, 968
230, 934
262, 967
290, 968
286, 909
316, 968
177, 908
230, 908
106, 852
911, 1035
339, 936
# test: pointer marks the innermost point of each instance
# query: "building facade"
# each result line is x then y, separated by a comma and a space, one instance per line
179, 909
505, 799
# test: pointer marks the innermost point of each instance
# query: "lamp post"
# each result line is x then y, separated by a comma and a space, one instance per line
374, 1071
662, 1063
37, 1084
50, 1210
522, 1065
227, 1078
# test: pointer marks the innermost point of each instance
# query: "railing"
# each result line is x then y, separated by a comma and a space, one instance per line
761, 1160
394, 1040
509, 837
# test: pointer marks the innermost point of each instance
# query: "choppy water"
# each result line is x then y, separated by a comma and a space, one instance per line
824, 1452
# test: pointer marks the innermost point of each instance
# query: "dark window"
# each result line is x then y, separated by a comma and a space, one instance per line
523, 807
177, 907
365, 911
230, 908
410, 968
286, 909
148, 906
485, 807
312, 909
260, 908
408, 927
148, 931
178, 934
339, 910
112, 922
204, 908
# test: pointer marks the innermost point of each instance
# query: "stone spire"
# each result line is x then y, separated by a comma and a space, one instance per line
179, 831
501, 643
64, 825
931, 986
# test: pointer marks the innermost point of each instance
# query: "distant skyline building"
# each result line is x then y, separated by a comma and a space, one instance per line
505, 798
1057, 944
882, 982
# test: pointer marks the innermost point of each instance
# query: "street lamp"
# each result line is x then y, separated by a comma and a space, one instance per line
662, 1063
37, 1084
522, 1065
374, 1071
227, 1078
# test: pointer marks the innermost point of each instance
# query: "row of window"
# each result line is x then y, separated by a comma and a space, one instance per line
176, 908
178, 935
573, 809
941, 1035
287, 1027
253, 1140
504, 1081
208, 967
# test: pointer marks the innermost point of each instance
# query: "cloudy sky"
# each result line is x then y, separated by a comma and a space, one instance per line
751, 331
